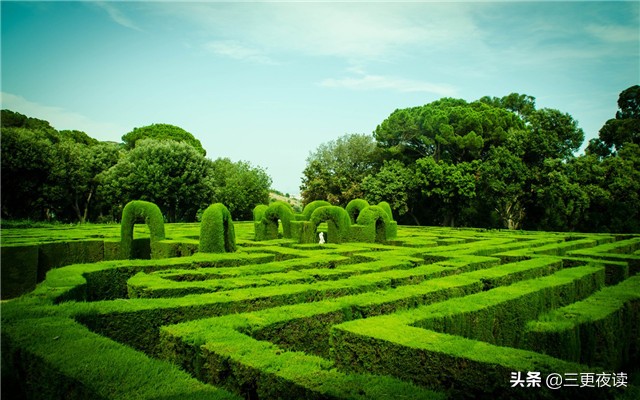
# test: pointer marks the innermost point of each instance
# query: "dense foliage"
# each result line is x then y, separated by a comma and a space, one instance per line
494, 163
68, 176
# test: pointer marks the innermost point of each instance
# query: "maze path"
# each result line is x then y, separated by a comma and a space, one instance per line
435, 313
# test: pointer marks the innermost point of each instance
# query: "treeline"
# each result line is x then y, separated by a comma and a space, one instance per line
51, 175
491, 163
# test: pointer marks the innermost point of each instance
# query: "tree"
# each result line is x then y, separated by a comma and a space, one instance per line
335, 171
395, 184
622, 180
520, 104
450, 130
27, 159
173, 175
75, 175
239, 186
559, 202
503, 177
11, 119
162, 132
624, 128
449, 187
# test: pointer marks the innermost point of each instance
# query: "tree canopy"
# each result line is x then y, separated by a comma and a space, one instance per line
70, 176
162, 132
495, 163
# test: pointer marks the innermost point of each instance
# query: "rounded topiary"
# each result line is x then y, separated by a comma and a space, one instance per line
385, 206
311, 207
354, 208
337, 219
133, 211
217, 234
377, 219
372, 214
278, 210
258, 212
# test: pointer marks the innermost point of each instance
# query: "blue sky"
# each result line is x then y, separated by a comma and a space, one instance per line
268, 82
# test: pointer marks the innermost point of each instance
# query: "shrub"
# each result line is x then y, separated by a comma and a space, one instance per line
378, 221
216, 230
385, 206
337, 219
311, 207
258, 212
278, 210
133, 211
355, 207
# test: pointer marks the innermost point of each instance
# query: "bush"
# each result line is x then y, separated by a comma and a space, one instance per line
378, 220
337, 219
278, 210
385, 206
216, 230
258, 212
311, 207
133, 211
355, 207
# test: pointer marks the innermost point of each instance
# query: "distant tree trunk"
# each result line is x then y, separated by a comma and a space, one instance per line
76, 208
86, 207
511, 214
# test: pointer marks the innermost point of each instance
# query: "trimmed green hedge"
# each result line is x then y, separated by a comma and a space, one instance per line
393, 345
58, 358
133, 211
19, 270
311, 207
216, 230
385, 206
603, 329
258, 212
378, 222
355, 207
267, 227
216, 352
337, 219
280, 319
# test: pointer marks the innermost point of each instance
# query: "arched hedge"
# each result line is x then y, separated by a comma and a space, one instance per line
385, 206
337, 219
355, 207
279, 210
217, 234
133, 211
266, 227
258, 212
311, 207
377, 220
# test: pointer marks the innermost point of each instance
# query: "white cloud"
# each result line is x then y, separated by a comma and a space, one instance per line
378, 82
117, 16
62, 119
356, 32
237, 51
614, 34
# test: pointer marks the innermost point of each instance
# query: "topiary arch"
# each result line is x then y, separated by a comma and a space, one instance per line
376, 218
217, 234
278, 211
133, 211
337, 220
355, 207
311, 207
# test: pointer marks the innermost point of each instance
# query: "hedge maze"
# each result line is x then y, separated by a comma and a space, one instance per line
261, 310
